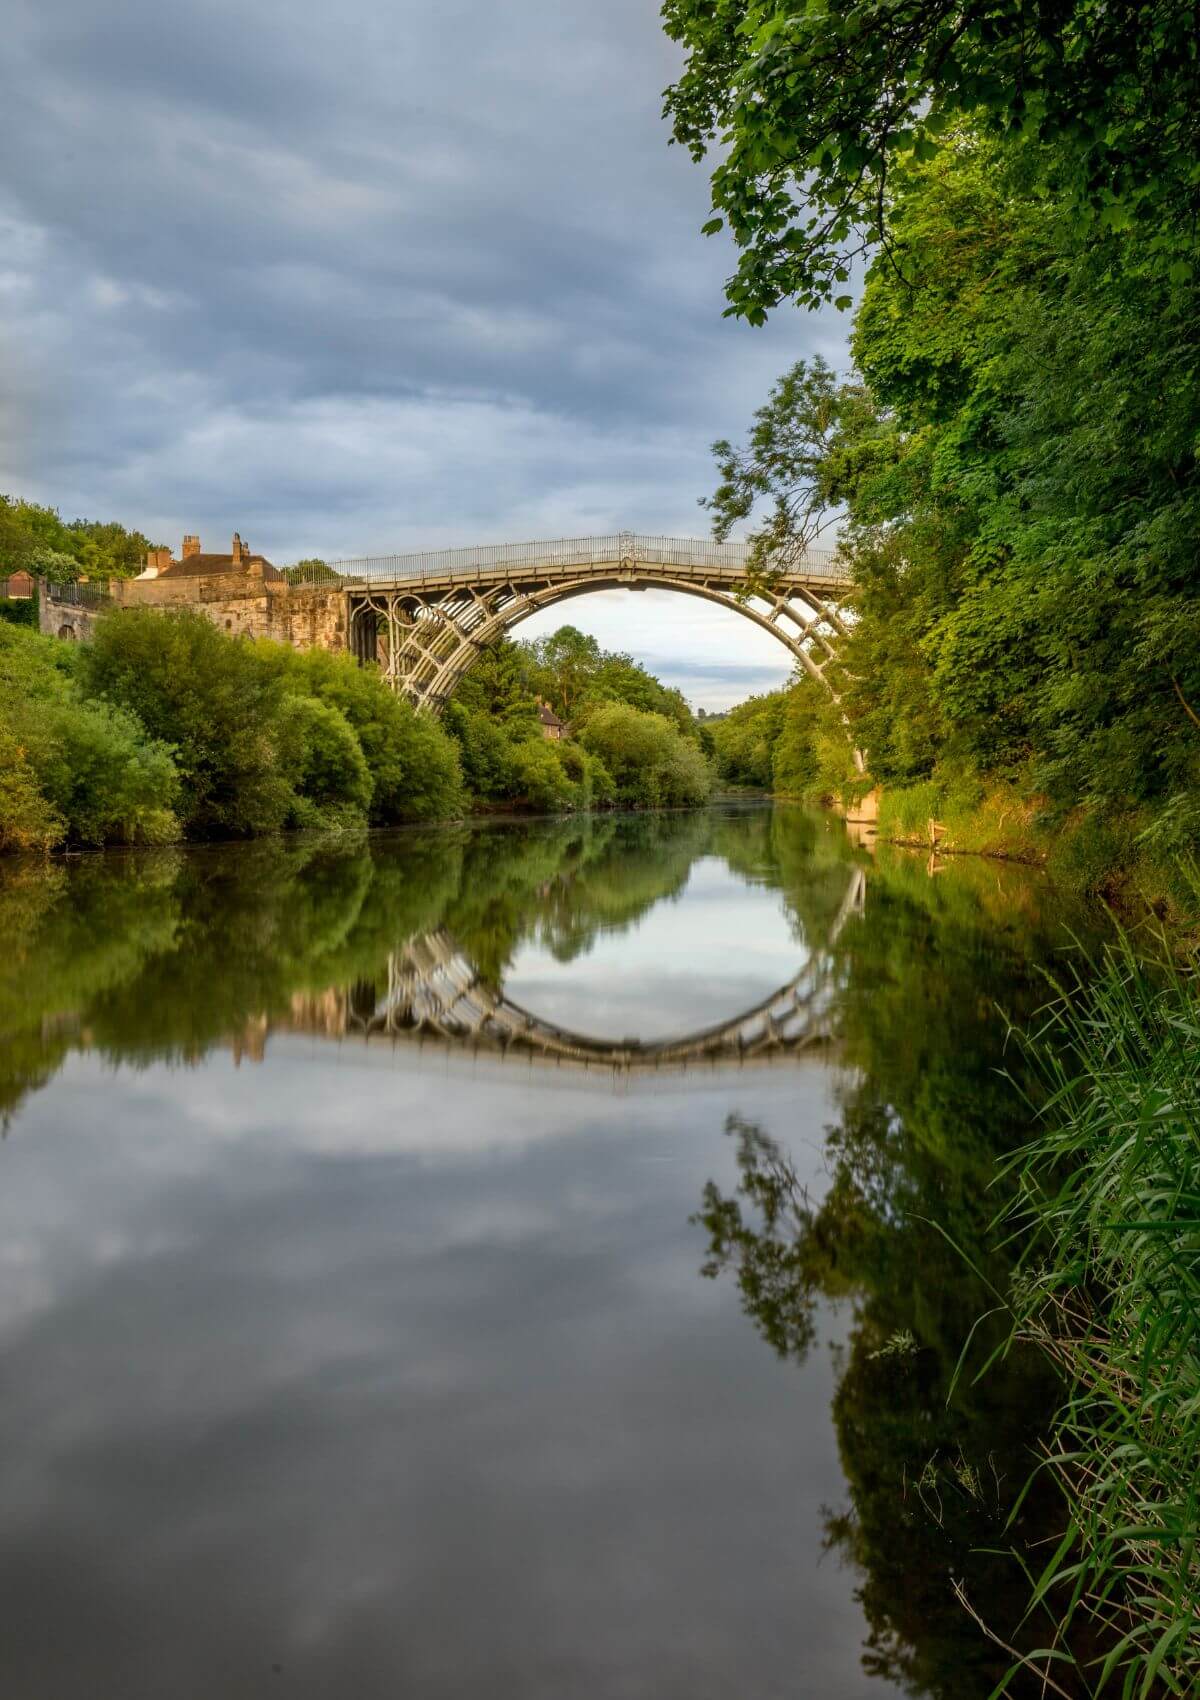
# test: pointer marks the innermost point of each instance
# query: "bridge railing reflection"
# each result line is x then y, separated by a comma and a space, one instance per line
435, 994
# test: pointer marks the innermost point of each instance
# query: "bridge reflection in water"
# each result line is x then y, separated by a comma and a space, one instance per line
436, 996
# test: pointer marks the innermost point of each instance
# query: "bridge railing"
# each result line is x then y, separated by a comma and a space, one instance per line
563, 553
77, 593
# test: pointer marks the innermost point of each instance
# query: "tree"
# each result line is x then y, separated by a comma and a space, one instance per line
39, 540
814, 109
79, 771
412, 763
792, 460
650, 762
568, 659
502, 684
208, 697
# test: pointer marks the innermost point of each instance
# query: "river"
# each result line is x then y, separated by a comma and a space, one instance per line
510, 1260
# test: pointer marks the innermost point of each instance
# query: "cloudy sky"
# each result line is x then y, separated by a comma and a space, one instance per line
372, 275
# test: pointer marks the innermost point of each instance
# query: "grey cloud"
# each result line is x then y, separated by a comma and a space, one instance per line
341, 240
459, 1423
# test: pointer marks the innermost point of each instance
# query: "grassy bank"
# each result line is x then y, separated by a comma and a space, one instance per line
166, 728
1109, 1288
1133, 860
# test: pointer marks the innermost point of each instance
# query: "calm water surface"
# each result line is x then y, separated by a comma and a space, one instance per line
500, 1262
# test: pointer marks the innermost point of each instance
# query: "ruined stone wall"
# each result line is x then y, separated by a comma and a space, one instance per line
66, 620
305, 616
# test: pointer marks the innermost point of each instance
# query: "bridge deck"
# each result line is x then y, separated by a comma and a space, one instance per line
568, 556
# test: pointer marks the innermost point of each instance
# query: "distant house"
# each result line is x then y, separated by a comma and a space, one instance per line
194, 563
552, 726
18, 585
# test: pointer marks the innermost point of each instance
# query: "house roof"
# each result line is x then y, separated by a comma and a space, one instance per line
197, 566
547, 715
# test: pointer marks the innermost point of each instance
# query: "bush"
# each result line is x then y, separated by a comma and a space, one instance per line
745, 740
74, 769
19, 610
540, 777
211, 698
103, 776
28, 821
650, 763
413, 765
485, 750
326, 765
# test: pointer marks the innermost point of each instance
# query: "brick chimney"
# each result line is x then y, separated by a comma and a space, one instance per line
240, 552
157, 560
191, 546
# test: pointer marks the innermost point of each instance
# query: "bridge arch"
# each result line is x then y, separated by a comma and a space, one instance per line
436, 613
436, 994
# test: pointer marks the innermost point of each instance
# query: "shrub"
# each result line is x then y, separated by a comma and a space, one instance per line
540, 778
485, 749
326, 766
28, 821
75, 769
650, 763
211, 698
413, 764
107, 780
745, 740
19, 611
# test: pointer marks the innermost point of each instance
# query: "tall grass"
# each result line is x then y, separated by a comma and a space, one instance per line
1108, 1212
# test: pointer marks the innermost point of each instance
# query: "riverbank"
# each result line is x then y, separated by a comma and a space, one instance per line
1108, 1289
1129, 862
165, 730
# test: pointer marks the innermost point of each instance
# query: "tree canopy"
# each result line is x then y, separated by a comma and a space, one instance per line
813, 109
37, 540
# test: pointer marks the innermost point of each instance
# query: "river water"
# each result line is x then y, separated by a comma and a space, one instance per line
510, 1260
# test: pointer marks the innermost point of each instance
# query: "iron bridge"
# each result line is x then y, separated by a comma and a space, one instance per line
424, 618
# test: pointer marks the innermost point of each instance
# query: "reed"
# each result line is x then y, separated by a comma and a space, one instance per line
1107, 1216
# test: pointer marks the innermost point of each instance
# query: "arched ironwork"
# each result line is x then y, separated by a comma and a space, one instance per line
426, 618
435, 995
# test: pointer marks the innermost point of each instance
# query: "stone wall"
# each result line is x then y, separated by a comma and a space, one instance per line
65, 619
305, 616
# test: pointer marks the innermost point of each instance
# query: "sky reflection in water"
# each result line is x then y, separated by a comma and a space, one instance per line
387, 1370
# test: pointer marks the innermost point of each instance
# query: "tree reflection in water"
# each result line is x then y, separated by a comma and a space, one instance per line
167, 955
935, 1453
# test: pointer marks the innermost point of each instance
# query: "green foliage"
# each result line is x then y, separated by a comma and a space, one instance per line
539, 777
485, 751
745, 739
210, 698
569, 670
36, 539
312, 570
325, 763
502, 685
19, 610
817, 111
166, 724
807, 442
412, 764
1110, 1289
84, 771
28, 819
506, 759
792, 743
651, 764
1016, 464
